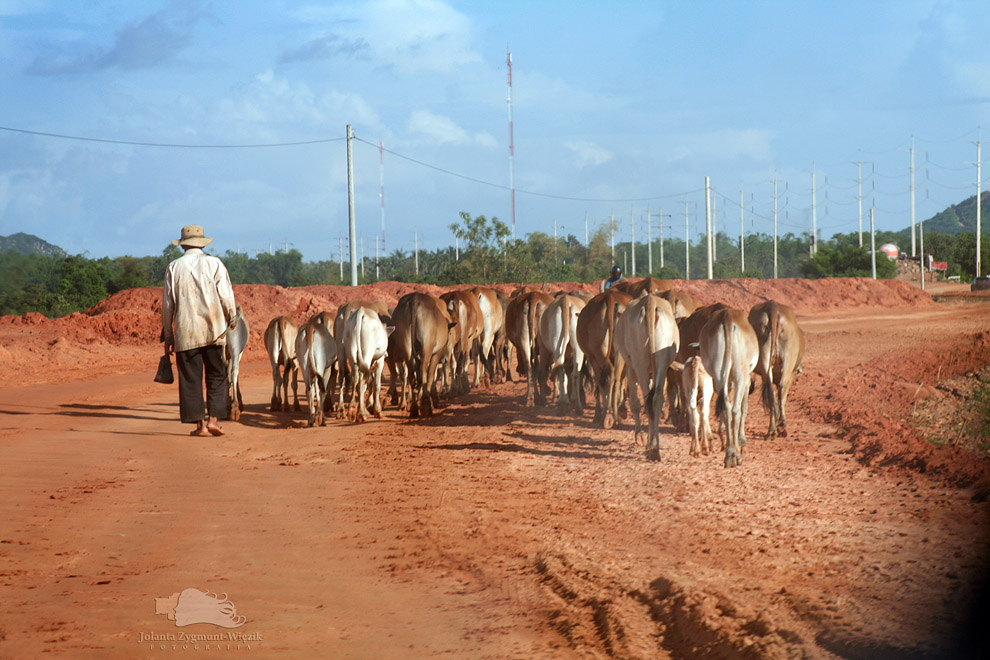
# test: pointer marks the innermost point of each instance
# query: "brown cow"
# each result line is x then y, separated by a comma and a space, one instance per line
463, 306
646, 337
690, 332
781, 353
280, 342
684, 305
697, 390
561, 357
493, 320
522, 323
422, 330
502, 347
636, 288
596, 334
729, 352
326, 318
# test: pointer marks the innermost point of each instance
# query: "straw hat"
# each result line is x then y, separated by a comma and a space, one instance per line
192, 236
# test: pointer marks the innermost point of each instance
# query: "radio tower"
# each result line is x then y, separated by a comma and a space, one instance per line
381, 192
512, 149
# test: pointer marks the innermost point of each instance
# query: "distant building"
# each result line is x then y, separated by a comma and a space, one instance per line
890, 250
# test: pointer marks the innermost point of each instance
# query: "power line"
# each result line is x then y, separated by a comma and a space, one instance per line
166, 144
526, 192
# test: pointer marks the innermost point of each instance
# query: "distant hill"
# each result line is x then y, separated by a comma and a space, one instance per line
29, 244
957, 219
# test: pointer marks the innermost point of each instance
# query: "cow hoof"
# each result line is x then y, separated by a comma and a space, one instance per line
608, 421
782, 431
653, 455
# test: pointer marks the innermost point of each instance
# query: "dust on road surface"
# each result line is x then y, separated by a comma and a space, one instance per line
490, 530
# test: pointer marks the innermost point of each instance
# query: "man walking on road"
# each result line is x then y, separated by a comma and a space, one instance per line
197, 306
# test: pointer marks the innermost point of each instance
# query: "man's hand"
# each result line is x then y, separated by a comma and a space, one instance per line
169, 347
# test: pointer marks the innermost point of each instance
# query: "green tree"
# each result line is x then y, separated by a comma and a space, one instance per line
483, 240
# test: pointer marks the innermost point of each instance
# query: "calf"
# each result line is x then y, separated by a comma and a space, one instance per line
729, 352
697, 390
315, 352
647, 339
280, 342
781, 353
235, 340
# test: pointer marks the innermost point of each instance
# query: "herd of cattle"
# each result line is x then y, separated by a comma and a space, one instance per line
628, 344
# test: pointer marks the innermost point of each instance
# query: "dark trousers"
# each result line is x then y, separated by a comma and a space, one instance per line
191, 365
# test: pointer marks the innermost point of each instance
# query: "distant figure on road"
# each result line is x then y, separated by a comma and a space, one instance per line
197, 306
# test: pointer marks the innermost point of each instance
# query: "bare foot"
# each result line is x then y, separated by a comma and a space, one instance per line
214, 428
200, 433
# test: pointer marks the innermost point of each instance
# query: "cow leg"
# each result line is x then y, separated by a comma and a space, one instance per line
277, 380
376, 399
689, 391
632, 384
310, 386
530, 376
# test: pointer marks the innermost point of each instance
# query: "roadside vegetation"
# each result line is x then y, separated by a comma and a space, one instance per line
57, 284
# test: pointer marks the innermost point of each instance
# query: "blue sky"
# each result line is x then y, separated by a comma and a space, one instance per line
619, 108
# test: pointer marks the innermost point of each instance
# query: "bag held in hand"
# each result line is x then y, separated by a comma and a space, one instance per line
164, 374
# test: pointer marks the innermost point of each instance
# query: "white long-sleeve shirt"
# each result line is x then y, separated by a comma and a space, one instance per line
198, 300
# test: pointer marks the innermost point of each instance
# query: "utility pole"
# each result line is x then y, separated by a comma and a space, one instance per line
775, 228
649, 241
873, 247
687, 241
708, 222
742, 238
714, 230
611, 228
859, 198
350, 206
381, 194
340, 240
921, 237
555, 244
814, 216
512, 144
979, 204
377, 260
913, 251
661, 239
632, 240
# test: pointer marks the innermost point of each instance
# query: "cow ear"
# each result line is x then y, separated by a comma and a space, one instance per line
389, 329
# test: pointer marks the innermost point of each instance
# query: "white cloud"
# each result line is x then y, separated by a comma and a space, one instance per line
405, 35
443, 130
589, 153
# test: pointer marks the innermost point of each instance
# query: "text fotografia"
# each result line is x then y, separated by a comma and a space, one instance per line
207, 641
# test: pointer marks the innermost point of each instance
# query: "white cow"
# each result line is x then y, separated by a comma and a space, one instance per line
235, 339
561, 356
280, 342
364, 345
493, 320
729, 352
646, 337
315, 352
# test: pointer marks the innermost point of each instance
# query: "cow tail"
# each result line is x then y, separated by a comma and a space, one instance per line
283, 349
359, 357
723, 394
773, 320
565, 335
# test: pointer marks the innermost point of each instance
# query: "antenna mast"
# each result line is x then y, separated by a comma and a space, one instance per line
381, 193
512, 148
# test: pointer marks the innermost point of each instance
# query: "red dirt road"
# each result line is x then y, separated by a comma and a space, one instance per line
491, 530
